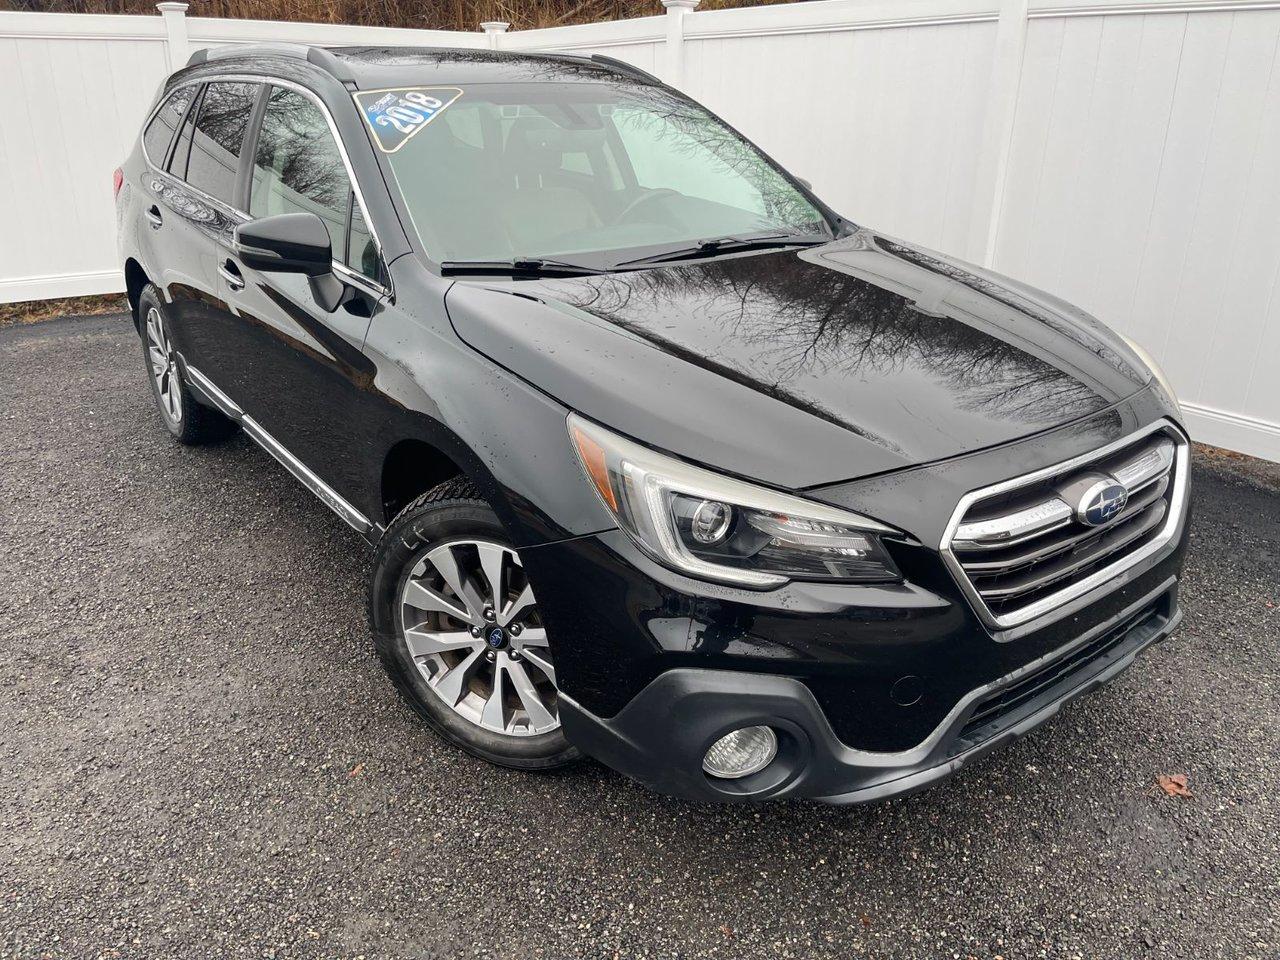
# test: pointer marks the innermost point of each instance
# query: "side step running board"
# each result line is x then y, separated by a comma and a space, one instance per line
330, 497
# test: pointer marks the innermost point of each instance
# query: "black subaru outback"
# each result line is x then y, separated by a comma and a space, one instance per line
664, 461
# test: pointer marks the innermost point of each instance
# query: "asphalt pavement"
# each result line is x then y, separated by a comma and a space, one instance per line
201, 757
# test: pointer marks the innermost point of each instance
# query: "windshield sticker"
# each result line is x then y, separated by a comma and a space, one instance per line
396, 115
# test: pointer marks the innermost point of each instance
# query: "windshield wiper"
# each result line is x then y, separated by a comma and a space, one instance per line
718, 245
517, 266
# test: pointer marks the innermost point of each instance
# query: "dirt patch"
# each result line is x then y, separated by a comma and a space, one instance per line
33, 311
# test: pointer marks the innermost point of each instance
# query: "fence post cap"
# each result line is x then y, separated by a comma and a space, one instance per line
681, 4
495, 26
171, 6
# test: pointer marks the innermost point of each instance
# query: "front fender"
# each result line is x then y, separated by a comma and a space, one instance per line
508, 437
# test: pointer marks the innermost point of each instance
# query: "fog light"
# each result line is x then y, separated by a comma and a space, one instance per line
741, 753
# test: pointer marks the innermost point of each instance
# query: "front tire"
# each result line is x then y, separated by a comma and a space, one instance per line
187, 420
457, 628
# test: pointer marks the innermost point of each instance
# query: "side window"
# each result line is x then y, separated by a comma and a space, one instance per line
297, 169
218, 136
159, 133
182, 149
362, 255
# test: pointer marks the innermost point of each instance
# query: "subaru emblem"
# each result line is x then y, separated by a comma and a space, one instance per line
1102, 503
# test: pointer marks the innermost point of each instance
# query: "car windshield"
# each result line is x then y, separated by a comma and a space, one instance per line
594, 173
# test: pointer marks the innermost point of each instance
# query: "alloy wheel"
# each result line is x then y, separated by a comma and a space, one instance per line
164, 367
469, 620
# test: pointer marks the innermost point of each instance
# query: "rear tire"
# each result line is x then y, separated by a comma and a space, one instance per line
188, 420
469, 655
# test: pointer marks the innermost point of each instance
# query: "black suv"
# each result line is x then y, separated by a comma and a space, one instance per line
664, 461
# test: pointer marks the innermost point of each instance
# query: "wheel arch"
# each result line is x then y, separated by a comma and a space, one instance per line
425, 452
425, 455
410, 467
135, 280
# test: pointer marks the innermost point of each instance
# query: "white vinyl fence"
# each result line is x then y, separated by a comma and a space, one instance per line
1125, 156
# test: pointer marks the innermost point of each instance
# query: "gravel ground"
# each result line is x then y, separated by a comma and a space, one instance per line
200, 756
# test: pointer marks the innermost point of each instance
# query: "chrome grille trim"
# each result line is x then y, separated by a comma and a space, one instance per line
1155, 463
1140, 473
976, 566
1014, 527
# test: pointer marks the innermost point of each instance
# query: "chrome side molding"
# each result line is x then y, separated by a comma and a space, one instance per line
328, 496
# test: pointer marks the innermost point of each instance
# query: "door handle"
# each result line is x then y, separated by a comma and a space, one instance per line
229, 272
153, 217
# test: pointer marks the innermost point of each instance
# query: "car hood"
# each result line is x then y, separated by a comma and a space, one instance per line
800, 368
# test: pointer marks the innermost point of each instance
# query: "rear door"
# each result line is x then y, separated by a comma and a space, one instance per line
298, 370
192, 219
204, 210
158, 229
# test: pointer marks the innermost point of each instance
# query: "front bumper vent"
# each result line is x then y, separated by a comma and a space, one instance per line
1025, 547
1013, 700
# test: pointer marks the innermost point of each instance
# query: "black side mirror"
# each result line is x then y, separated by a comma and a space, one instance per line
285, 243
292, 243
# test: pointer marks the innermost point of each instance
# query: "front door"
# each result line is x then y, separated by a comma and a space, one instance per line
297, 369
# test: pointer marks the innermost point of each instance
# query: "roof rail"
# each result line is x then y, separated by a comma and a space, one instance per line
621, 66
228, 51
320, 57
324, 58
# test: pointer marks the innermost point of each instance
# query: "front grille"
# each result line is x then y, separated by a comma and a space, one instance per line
1022, 546
1014, 697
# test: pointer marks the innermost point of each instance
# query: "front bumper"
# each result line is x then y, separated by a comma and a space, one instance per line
661, 735
874, 689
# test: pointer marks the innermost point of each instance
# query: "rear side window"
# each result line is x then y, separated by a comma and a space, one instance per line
182, 149
218, 136
159, 133
297, 169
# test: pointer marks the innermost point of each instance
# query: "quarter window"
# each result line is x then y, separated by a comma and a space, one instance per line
218, 137
362, 254
159, 134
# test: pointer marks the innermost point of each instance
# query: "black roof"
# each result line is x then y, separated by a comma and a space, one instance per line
373, 67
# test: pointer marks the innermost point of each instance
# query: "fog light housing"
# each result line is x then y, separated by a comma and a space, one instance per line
741, 753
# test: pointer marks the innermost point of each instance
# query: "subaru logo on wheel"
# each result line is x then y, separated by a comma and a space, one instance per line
1102, 503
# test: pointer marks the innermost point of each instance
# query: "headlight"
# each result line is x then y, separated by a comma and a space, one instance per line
1156, 372
717, 528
